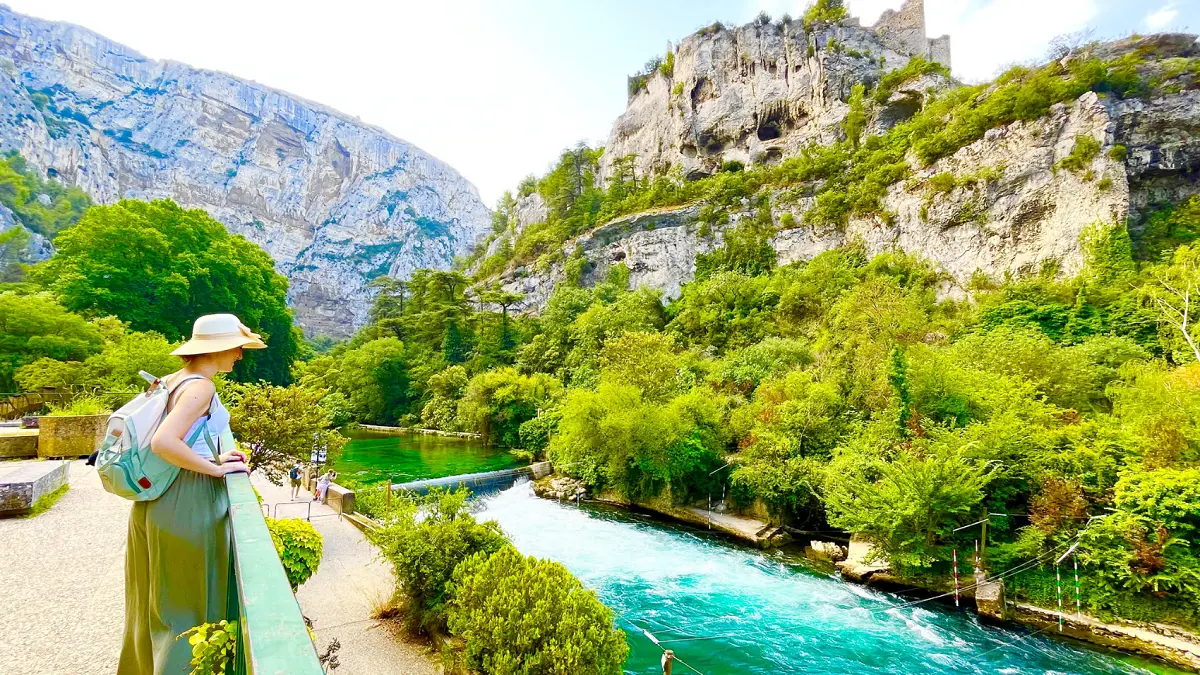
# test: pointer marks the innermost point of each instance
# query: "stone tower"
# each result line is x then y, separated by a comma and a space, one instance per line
904, 31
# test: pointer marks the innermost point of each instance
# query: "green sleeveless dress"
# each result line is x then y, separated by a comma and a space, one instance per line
177, 568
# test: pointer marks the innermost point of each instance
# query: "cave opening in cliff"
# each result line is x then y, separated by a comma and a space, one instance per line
768, 131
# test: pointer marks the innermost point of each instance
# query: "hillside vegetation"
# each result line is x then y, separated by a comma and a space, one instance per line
848, 178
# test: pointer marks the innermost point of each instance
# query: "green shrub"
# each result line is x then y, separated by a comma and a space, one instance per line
1082, 153
668, 66
299, 546
521, 615
213, 647
677, 89
535, 433
80, 405
916, 67
1117, 153
425, 538
823, 12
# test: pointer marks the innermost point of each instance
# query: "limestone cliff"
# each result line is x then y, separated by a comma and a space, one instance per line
759, 92
334, 201
1006, 203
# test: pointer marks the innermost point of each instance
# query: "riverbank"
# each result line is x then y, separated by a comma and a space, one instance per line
1171, 644
750, 530
416, 430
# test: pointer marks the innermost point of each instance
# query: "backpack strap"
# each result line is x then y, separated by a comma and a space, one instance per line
213, 447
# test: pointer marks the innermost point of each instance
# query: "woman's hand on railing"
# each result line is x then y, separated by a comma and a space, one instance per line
233, 456
231, 467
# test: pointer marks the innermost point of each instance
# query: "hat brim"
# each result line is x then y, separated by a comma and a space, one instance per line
197, 346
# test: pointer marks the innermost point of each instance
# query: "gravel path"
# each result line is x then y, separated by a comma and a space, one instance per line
62, 575
341, 596
63, 579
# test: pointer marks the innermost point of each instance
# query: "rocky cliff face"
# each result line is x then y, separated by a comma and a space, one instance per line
1009, 207
334, 201
759, 92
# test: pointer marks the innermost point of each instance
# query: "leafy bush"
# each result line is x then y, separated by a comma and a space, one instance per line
916, 67
496, 402
213, 647
425, 538
908, 506
521, 615
823, 12
1082, 152
535, 433
80, 405
299, 546
23, 191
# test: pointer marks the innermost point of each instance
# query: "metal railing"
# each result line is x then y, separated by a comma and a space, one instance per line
272, 636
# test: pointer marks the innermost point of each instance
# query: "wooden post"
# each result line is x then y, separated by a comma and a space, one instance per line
668, 661
387, 500
983, 543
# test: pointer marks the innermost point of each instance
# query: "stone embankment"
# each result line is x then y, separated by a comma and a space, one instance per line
748, 529
1169, 643
417, 430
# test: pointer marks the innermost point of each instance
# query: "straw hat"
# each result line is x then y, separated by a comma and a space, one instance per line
218, 332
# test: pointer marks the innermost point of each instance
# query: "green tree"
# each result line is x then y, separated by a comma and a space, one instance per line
158, 267
374, 377
1148, 543
114, 369
519, 616
35, 326
441, 412
643, 360
908, 505
1175, 294
496, 402
281, 425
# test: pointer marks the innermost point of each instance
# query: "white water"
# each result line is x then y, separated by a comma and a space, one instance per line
765, 613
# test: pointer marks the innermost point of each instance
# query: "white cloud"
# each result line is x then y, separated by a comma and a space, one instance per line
1159, 19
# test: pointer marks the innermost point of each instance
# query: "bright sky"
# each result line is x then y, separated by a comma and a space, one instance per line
498, 88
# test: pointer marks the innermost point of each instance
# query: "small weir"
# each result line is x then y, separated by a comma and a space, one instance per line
484, 482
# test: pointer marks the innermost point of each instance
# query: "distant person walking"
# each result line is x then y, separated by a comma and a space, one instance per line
294, 476
177, 553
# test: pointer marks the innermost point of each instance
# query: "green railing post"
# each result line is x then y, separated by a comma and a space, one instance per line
273, 639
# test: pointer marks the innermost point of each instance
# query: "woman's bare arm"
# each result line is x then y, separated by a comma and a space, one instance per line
168, 442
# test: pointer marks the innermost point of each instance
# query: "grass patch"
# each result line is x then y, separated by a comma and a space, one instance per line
46, 501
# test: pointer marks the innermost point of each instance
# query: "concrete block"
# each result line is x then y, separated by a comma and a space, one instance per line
340, 498
18, 443
20, 489
71, 436
989, 597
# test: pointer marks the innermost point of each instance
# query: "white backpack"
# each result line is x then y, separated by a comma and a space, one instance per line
125, 462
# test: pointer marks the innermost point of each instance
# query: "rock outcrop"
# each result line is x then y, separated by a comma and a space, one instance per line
334, 201
758, 93
1011, 207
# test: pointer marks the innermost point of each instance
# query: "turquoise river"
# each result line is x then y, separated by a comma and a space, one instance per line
372, 456
762, 612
